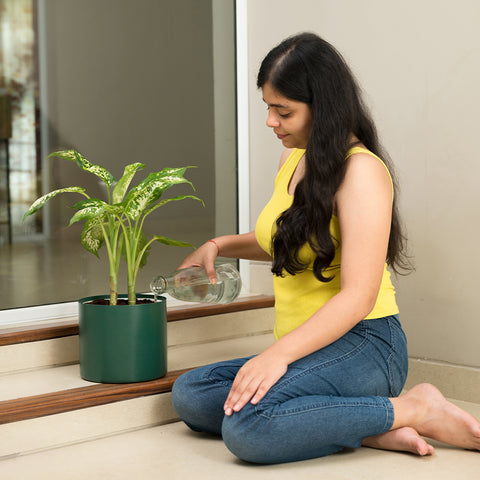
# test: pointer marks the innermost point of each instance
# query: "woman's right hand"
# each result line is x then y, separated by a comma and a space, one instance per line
243, 245
204, 256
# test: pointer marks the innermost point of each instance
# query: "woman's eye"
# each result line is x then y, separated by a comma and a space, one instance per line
284, 115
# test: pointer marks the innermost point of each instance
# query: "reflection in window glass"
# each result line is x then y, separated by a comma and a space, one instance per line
144, 81
18, 94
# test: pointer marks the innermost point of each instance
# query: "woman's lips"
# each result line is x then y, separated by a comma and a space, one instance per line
281, 137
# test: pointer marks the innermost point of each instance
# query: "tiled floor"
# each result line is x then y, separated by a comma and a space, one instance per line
172, 452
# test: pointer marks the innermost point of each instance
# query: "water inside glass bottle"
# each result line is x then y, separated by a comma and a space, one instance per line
193, 285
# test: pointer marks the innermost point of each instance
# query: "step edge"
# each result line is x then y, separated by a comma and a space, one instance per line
36, 406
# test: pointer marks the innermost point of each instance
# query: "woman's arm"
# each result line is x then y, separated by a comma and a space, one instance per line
364, 205
244, 246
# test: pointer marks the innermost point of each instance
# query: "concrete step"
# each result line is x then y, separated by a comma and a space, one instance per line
51, 430
45, 404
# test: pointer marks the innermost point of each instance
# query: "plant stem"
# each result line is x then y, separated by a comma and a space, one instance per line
130, 244
112, 264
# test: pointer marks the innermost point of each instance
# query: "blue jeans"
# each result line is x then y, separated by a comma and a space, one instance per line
328, 400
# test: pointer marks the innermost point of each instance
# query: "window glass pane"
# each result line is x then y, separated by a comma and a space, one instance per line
121, 82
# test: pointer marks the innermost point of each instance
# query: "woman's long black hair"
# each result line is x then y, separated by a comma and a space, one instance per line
308, 69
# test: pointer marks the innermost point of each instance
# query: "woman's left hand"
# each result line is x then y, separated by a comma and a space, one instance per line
254, 380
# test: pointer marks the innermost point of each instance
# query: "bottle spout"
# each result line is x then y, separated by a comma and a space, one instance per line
158, 285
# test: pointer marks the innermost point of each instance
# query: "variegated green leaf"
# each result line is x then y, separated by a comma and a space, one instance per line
89, 202
122, 186
174, 199
94, 203
92, 235
170, 241
84, 164
87, 213
151, 189
40, 202
114, 209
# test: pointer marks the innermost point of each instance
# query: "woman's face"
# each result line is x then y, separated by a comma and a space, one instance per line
291, 120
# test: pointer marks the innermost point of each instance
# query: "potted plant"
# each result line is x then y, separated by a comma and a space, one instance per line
122, 339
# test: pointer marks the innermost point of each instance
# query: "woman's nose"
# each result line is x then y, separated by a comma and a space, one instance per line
272, 120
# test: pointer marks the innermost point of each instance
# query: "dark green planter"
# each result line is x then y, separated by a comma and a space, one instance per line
123, 343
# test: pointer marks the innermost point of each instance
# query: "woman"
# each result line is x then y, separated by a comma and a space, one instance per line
332, 377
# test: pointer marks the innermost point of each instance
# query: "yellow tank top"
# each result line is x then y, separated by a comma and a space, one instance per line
298, 297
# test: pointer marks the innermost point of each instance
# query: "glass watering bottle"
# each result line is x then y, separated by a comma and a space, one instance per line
193, 285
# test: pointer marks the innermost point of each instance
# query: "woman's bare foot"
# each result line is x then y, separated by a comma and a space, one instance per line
426, 410
404, 439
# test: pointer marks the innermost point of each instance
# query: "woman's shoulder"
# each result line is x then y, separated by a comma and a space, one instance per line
361, 151
364, 168
361, 160
283, 158
290, 153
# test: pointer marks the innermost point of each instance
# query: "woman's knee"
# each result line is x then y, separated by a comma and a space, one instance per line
187, 398
198, 402
243, 434
181, 395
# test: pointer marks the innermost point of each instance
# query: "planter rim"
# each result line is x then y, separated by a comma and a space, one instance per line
85, 300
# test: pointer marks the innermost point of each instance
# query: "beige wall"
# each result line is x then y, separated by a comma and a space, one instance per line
419, 64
